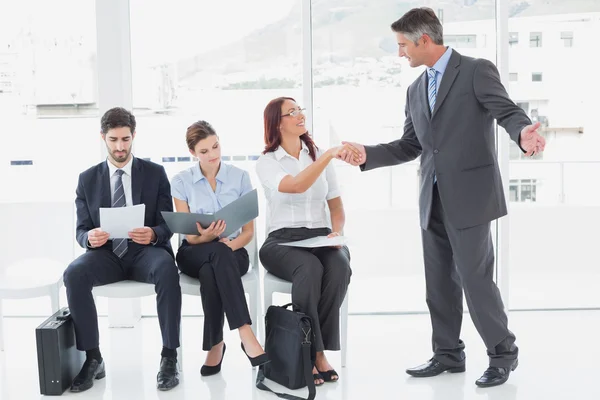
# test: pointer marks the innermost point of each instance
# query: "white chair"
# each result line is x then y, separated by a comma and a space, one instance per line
31, 285
273, 284
32, 261
191, 286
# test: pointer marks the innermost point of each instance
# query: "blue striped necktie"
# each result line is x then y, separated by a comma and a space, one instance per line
119, 245
432, 90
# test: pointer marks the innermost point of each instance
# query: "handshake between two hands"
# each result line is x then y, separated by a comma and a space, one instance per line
350, 152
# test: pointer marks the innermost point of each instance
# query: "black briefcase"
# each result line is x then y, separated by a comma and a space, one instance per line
59, 361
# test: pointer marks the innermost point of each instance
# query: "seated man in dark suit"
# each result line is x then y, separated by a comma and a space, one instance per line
123, 180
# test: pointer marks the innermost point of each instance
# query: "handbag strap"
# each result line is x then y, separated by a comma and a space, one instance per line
310, 382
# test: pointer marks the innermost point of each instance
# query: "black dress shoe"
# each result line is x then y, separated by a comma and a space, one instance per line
85, 379
168, 376
432, 368
495, 376
208, 370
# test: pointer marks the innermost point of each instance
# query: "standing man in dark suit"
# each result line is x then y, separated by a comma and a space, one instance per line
450, 112
123, 180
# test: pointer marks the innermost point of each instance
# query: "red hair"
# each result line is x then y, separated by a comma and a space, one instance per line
272, 119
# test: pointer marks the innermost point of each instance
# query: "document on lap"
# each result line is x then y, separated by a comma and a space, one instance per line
235, 215
319, 241
119, 221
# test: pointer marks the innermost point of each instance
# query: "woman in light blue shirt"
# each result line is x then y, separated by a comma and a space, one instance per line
218, 262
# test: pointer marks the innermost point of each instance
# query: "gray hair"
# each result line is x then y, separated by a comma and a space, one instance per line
420, 21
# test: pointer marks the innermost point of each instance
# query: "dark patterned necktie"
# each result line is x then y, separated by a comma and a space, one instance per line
119, 245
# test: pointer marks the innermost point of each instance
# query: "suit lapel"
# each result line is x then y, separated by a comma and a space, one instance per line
423, 96
137, 178
447, 80
104, 184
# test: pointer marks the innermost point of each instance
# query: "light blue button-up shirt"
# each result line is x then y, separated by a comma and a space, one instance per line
440, 68
191, 186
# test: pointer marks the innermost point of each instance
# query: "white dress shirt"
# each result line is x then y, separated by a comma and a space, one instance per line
295, 210
126, 178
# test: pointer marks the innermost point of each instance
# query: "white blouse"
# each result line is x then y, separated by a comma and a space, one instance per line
295, 210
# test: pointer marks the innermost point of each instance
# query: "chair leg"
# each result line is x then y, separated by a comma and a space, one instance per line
254, 311
344, 329
267, 301
180, 348
1, 328
55, 298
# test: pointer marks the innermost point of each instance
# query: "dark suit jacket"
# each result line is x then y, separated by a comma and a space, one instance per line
456, 141
149, 186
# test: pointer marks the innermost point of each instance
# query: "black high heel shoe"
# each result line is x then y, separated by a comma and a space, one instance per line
208, 370
258, 360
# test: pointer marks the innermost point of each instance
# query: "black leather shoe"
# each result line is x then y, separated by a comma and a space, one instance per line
85, 379
495, 376
168, 376
208, 370
432, 368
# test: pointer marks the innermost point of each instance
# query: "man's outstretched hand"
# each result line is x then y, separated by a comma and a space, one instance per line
531, 141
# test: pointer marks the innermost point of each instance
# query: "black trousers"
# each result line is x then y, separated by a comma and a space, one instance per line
141, 263
319, 276
220, 272
457, 260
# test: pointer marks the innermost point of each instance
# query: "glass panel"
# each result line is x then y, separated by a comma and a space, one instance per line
205, 62
49, 114
552, 240
360, 92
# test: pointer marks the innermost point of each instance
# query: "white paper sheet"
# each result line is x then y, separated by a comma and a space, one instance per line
319, 241
119, 221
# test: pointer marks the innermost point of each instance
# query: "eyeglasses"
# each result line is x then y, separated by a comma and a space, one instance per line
295, 113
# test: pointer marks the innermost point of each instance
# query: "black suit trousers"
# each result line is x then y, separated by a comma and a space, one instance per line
220, 272
101, 266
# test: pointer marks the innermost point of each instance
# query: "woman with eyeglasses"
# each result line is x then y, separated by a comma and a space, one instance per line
300, 187
218, 262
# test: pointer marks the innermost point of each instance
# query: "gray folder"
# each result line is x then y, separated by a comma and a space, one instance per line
235, 215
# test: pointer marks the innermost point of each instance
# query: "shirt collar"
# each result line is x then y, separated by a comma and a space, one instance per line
126, 169
280, 152
197, 174
442, 63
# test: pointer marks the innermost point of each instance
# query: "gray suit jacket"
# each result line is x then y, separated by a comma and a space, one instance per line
457, 141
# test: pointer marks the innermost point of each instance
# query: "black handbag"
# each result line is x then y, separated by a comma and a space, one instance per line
289, 344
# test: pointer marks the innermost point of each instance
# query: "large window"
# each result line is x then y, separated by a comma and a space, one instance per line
206, 63
47, 97
555, 203
196, 60
48, 109
360, 92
